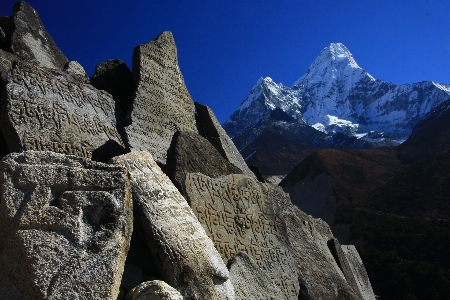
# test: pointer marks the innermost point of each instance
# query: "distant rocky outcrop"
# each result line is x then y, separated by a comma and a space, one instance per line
162, 104
162, 223
66, 224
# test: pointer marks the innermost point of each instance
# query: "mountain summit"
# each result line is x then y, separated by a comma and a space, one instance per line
334, 62
336, 95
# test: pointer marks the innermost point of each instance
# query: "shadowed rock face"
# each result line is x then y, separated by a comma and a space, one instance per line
191, 153
116, 78
358, 271
162, 104
28, 39
250, 281
50, 110
186, 256
240, 214
65, 224
216, 135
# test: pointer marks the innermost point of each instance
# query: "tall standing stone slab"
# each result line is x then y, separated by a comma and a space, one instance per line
49, 110
240, 214
29, 40
162, 104
359, 272
65, 227
186, 256
217, 136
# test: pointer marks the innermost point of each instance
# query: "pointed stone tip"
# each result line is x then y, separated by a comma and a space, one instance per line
22, 5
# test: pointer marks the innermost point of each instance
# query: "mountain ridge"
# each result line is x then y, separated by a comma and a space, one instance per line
336, 95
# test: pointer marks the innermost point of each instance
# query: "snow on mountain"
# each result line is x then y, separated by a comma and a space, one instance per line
336, 95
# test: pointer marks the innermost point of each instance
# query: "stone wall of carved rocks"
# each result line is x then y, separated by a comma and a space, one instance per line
120, 187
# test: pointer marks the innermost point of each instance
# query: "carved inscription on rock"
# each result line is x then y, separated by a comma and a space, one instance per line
186, 255
238, 216
162, 104
65, 223
48, 111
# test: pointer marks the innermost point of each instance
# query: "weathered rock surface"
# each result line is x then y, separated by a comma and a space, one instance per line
192, 153
65, 227
162, 104
358, 270
216, 135
74, 68
50, 110
240, 214
250, 281
116, 78
186, 256
154, 290
29, 40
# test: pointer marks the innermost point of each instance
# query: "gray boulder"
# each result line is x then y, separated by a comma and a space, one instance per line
65, 227
29, 40
162, 104
191, 153
186, 257
154, 290
49, 110
250, 281
241, 214
216, 135
116, 78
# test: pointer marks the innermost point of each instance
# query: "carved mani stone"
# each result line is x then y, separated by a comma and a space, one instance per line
240, 214
50, 110
192, 153
65, 227
30, 41
186, 256
250, 281
216, 135
162, 104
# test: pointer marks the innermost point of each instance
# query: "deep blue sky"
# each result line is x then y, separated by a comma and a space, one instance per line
225, 46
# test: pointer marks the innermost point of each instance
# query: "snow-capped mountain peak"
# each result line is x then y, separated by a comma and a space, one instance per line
334, 63
336, 95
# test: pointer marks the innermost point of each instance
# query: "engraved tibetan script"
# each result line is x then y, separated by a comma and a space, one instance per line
48, 110
162, 104
238, 216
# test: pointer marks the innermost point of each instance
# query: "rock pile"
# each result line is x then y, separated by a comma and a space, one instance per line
174, 214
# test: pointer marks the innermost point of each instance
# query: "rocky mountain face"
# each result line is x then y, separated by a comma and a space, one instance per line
120, 187
335, 96
392, 203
